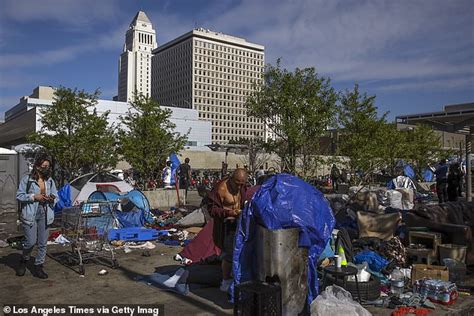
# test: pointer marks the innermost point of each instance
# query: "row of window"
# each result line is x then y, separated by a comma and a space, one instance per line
236, 66
219, 96
233, 78
225, 60
223, 48
220, 85
216, 74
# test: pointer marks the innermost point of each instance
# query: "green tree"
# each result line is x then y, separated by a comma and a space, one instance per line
147, 137
297, 107
74, 135
423, 147
393, 146
361, 133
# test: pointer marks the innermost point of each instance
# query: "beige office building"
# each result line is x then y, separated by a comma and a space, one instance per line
212, 73
135, 60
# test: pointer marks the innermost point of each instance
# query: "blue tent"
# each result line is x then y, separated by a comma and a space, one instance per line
64, 198
284, 201
135, 207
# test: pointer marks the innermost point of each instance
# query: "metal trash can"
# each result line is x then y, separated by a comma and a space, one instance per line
280, 259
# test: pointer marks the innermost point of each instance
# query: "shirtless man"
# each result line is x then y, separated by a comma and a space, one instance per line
225, 204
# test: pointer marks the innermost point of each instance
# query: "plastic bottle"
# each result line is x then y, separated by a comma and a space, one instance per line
397, 282
342, 254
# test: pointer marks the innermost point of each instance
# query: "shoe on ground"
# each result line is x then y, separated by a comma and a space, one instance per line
225, 285
39, 272
21, 269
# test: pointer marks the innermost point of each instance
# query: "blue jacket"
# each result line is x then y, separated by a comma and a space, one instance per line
29, 206
442, 173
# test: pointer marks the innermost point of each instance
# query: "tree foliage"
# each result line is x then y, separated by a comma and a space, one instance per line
423, 147
361, 135
77, 138
147, 136
297, 107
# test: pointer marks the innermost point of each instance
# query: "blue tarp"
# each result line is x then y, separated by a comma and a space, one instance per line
174, 167
138, 212
409, 172
64, 198
284, 201
375, 261
428, 175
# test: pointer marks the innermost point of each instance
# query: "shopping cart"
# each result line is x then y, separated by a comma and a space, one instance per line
86, 227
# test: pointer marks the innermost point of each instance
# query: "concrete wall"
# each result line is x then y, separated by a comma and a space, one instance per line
164, 198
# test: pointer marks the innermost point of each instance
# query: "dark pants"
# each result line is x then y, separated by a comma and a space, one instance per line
37, 233
230, 227
442, 191
184, 184
334, 184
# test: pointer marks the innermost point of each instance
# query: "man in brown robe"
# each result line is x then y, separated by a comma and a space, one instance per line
226, 201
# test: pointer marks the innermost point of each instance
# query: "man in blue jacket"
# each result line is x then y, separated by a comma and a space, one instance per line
37, 194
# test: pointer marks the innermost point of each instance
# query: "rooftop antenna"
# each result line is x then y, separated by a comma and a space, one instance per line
195, 24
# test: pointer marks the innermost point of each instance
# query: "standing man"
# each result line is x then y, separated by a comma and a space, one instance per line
37, 195
184, 173
226, 201
442, 181
454, 182
335, 174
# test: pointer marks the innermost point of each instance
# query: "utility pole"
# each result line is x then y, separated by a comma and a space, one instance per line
468, 164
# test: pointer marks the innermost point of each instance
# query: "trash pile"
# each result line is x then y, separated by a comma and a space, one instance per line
378, 255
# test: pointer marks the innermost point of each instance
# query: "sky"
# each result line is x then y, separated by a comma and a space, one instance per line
414, 56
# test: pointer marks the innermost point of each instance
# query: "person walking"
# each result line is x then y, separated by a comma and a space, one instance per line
37, 195
184, 173
442, 181
454, 182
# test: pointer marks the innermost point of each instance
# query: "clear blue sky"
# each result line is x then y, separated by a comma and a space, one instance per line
415, 56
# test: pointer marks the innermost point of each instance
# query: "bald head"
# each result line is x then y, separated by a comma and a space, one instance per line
239, 177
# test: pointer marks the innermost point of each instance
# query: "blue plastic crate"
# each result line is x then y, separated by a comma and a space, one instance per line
135, 234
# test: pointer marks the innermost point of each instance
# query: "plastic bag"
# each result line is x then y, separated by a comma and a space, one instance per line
336, 301
363, 275
376, 262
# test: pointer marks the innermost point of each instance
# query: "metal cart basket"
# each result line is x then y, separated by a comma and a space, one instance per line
86, 226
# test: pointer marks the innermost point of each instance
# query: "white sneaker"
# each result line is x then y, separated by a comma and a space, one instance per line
225, 285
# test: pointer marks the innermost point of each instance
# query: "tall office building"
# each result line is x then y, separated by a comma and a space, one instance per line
212, 73
135, 60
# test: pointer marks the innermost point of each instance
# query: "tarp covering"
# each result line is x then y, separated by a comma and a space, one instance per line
64, 198
174, 167
135, 207
428, 175
202, 246
401, 182
409, 172
284, 201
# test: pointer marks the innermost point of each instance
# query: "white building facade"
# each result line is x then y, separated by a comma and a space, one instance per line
134, 75
212, 73
24, 118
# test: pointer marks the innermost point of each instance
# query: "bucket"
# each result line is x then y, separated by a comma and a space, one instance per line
456, 252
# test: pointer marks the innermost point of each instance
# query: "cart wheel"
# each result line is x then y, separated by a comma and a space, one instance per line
115, 264
82, 271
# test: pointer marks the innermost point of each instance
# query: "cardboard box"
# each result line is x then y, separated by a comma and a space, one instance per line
420, 271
